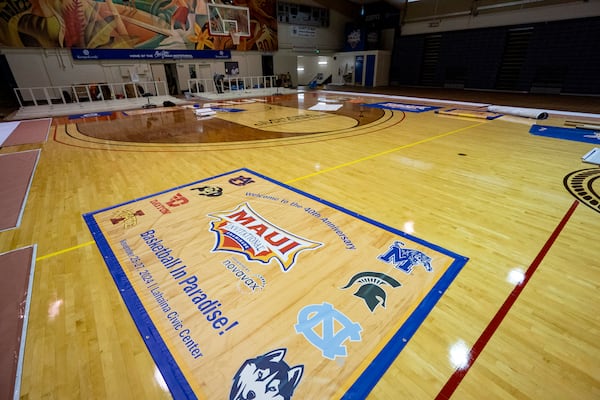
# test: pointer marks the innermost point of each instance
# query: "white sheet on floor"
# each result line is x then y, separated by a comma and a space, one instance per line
6, 128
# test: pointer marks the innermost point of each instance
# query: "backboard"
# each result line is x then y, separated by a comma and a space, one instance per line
224, 19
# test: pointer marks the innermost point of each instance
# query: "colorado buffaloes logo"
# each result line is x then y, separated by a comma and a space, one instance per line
244, 231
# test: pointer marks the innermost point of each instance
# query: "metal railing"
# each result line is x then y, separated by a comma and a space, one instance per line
86, 92
222, 84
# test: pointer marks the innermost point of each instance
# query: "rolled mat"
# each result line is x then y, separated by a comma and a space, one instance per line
519, 112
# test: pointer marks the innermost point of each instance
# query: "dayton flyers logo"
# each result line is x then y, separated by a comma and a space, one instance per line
244, 231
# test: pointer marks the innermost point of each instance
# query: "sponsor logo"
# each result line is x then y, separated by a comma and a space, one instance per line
244, 231
248, 282
371, 287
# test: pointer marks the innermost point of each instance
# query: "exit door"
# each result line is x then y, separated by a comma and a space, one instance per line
358, 69
172, 81
7, 84
370, 70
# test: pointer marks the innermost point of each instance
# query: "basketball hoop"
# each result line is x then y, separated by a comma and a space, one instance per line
235, 37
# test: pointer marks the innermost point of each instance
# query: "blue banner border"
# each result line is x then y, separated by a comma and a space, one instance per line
148, 54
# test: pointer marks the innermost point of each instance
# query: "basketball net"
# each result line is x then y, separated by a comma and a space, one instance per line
235, 37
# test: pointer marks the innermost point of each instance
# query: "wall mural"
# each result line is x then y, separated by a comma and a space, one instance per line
135, 24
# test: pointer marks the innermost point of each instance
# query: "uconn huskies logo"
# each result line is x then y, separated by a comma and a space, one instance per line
406, 259
266, 377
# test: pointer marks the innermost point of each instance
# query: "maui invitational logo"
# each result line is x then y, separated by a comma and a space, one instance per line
244, 231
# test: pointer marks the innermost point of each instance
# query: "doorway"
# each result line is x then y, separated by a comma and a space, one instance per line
267, 65
172, 81
8, 98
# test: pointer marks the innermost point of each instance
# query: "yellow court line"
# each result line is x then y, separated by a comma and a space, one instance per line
405, 146
311, 175
65, 250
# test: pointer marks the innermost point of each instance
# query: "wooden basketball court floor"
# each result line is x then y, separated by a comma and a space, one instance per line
520, 321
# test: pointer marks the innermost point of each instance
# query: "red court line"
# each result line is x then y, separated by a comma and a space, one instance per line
458, 375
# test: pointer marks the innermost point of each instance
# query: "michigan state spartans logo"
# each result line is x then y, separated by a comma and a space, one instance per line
371, 287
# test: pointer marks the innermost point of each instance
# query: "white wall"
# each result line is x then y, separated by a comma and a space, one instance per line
344, 65
311, 67
286, 62
50, 67
330, 39
55, 67
382, 68
28, 67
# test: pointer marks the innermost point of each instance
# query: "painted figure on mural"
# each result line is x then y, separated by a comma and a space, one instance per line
41, 25
130, 4
179, 18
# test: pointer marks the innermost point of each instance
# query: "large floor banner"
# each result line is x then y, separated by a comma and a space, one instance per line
243, 287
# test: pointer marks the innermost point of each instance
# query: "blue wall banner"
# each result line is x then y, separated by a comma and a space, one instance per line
147, 54
355, 38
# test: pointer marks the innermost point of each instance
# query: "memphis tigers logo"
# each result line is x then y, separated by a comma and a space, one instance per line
406, 259
244, 231
266, 377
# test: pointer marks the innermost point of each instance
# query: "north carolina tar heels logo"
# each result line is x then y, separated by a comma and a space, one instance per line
244, 231
331, 338
371, 287
406, 259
